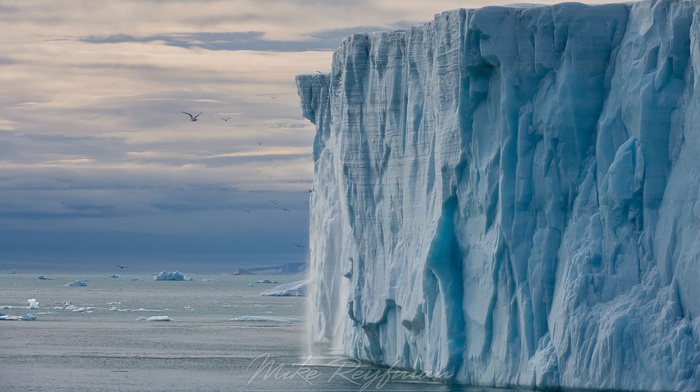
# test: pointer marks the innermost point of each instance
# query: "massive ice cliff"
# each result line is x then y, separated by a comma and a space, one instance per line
509, 196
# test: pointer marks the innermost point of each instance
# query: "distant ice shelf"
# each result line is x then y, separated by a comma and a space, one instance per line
509, 196
274, 319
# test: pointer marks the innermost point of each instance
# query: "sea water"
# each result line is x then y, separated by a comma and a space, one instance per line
96, 338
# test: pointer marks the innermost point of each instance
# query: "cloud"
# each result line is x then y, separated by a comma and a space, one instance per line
94, 148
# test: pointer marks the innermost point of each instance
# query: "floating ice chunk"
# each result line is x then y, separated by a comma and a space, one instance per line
33, 304
42, 277
26, 317
145, 310
134, 279
294, 289
114, 276
266, 281
159, 318
273, 319
77, 283
141, 318
78, 309
171, 275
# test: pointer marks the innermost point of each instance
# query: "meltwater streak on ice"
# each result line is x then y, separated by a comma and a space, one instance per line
509, 196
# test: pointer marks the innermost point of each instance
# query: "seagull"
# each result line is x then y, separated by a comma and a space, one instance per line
249, 211
297, 245
319, 72
193, 118
259, 143
312, 190
121, 267
284, 209
225, 119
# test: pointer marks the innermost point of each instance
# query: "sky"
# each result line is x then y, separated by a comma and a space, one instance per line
98, 164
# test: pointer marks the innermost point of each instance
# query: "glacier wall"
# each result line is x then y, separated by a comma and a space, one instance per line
509, 196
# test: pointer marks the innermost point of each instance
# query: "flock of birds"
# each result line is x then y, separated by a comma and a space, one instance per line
225, 119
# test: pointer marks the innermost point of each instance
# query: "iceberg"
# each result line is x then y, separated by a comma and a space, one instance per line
171, 275
508, 196
77, 283
159, 318
293, 289
33, 304
26, 317
266, 281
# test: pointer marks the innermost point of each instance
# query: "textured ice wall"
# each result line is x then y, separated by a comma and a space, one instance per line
509, 196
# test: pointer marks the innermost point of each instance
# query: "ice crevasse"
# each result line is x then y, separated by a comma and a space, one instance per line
509, 196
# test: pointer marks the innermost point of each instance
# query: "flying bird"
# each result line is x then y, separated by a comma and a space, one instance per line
193, 118
259, 143
273, 96
249, 211
225, 119
284, 209
121, 266
297, 245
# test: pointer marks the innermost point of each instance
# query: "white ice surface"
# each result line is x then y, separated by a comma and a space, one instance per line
77, 283
159, 318
293, 289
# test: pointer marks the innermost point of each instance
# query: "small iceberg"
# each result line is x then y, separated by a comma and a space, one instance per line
26, 317
79, 309
42, 277
32, 305
171, 275
273, 319
159, 318
77, 283
266, 281
294, 289
114, 276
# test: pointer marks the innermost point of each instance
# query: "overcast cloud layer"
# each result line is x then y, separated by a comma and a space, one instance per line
99, 165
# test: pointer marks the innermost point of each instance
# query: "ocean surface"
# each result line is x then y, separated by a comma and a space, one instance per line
96, 338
